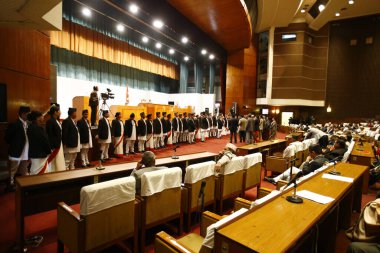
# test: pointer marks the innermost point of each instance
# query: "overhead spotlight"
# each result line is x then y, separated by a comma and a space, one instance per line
184, 40
158, 45
337, 14
158, 23
321, 7
171, 51
186, 58
134, 8
351, 2
86, 12
204, 51
145, 39
120, 28
211, 57
303, 11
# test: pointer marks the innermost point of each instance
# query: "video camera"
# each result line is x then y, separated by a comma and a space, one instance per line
107, 95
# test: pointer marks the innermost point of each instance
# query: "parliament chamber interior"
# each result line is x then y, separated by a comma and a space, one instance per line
198, 126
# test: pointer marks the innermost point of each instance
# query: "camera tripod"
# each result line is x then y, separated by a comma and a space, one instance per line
103, 107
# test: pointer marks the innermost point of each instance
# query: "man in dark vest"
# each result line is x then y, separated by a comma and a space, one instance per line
191, 128
130, 132
94, 103
185, 133
53, 129
85, 134
16, 137
70, 139
233, 124
117, 133
165, 131
149, 133
141, 132
104, 135
157, 131
175, 126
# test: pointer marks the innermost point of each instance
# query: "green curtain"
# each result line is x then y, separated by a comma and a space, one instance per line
183, 77
79, 66
198, 76
212, 78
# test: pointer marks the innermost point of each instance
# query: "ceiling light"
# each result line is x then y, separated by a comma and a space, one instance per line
328, 109
171, 51
303, 11
184, 40
120, 28
86, 12
158, 23
158, 45
211, 57
351, 2
204, 51
337, 14
186, 58
133, 8
321, 7
145, 39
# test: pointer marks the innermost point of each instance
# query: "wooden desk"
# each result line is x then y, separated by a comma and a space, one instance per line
277, 145
280, 226
363, 155
40, 193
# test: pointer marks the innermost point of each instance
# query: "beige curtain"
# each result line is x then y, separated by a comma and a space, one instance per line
82, 40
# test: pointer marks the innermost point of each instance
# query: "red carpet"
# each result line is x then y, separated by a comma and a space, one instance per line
45, 223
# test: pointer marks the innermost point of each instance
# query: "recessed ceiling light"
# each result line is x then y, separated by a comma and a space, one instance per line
145, 39
133, 8
351, 2
337, 14
171, 51
120, 28
86, 12
186, 58
184, 40
303, 11
204, 51
158, 23
321, 7
158, 45
211, 57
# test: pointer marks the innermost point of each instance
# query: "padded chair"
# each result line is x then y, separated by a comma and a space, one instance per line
108, 214
161, 195
279, 164
195, 175
244, 203
348, 152
194, 243
298, 153
229, 183
252, 171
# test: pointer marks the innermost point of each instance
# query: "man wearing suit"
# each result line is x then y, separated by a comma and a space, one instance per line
180, 126
233, 124
168, 122
149, 133
94, 103
191, 128
220, 123
130, 132
314, 161
185, 127
70, 139
165, 131
204, 126
337, 150
157, 131
85, 135
214, 126
54, 132
141, 132
104, 136
16, 137
117, 133
175, 125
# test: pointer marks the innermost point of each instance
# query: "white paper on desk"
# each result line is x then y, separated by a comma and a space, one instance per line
339, 178
314, 197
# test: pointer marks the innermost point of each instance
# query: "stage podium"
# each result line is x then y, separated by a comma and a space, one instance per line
126, 110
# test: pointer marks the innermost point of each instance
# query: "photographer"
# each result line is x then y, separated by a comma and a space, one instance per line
94, 103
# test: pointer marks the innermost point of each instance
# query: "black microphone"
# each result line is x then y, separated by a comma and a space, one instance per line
297, 176
295, 159
202, 190
175, 148
336, 159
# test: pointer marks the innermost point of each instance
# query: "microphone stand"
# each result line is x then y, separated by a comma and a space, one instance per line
334, 172
174, 156
294, 198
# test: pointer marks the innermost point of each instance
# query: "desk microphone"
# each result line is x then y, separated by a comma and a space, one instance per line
174, 152
294, 198
335, 161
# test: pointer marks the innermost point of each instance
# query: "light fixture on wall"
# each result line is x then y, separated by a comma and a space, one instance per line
277, 111
328, 109
321, 7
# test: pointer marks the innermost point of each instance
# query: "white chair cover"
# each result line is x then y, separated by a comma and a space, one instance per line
236, 164
199, 171
156, 181
289, 151
265, 199
97, 197
252, 159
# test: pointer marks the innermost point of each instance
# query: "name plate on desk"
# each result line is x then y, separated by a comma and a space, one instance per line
338, 178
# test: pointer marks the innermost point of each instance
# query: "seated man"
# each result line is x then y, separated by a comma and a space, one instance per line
363, 247
148, 160
337, 150
314, 161
225, 156
319, 135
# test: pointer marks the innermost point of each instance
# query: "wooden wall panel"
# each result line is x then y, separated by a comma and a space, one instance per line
241, 79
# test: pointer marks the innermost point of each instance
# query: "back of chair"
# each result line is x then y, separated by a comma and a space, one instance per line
108, 210
232, 176
161, 190
275, 164
290, 151
348, 152
252, 166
